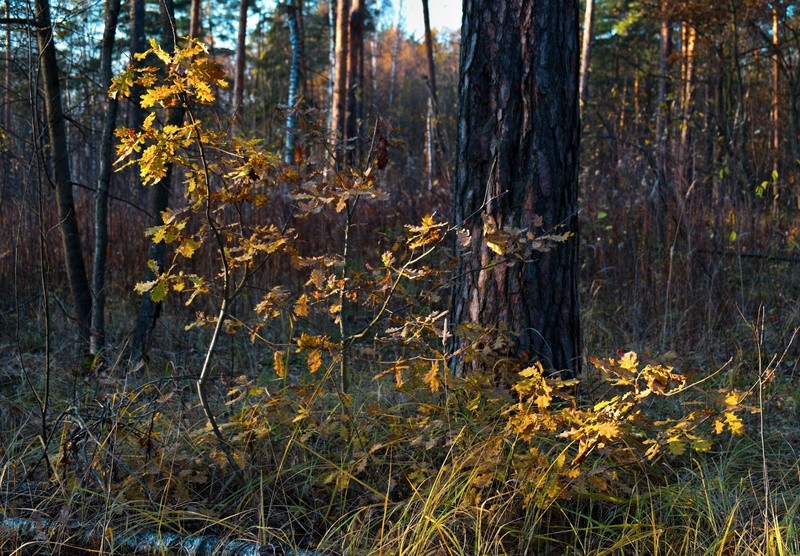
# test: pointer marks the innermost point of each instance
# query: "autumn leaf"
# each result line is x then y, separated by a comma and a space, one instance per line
431, 378
188, 247
279, 362
735, 423
314, 360
301, 306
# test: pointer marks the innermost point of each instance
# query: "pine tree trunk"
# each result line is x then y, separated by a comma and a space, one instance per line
62, 177
354, 67
339, 99
241, 58
104, 181
776, 115
517, 163
137, 44
195, 18
586, 51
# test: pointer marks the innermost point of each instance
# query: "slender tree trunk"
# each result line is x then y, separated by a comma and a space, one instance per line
138, 44
241, 58
517, 167
429, 49
148, 309
433, 112
305, 90
586, 50
776, 116
104, 180
659, 195
339, 99
354, 69
398, 42
331, 60
687, 101
294, 78
68, 220
195, 18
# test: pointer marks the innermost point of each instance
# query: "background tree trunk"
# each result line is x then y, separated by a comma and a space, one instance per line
62, 178
776, 115
148, 309
138, 44
586, 51
195, 18
354, 66
517, 162
241, 58
104, 181
431, 124
339, 100
294, 78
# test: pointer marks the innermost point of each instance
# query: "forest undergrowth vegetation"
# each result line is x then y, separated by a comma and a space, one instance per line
298, 392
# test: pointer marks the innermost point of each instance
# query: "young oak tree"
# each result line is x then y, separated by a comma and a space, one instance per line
517, 171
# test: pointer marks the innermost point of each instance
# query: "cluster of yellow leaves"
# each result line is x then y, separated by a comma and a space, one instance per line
617, 428
516, 243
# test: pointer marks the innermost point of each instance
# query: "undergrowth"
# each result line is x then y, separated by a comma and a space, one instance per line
318, 410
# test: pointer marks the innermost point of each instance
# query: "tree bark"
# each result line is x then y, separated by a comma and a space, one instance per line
137, 44
776, 116
517, 163
586, 50
148, 309
659, 195
294, 77
68, 220
97, 342
241, 58
195, 18
687, 102
354, 65
339, 99
431, 123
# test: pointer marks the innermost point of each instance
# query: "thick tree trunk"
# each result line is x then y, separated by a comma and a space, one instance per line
586, 51
241, 58
294, 77
354, 67
339, 99
517, 168
68, 221
104, 180
148, 309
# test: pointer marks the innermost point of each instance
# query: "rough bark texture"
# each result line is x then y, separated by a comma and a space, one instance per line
517, 160
103, 181
68, 221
